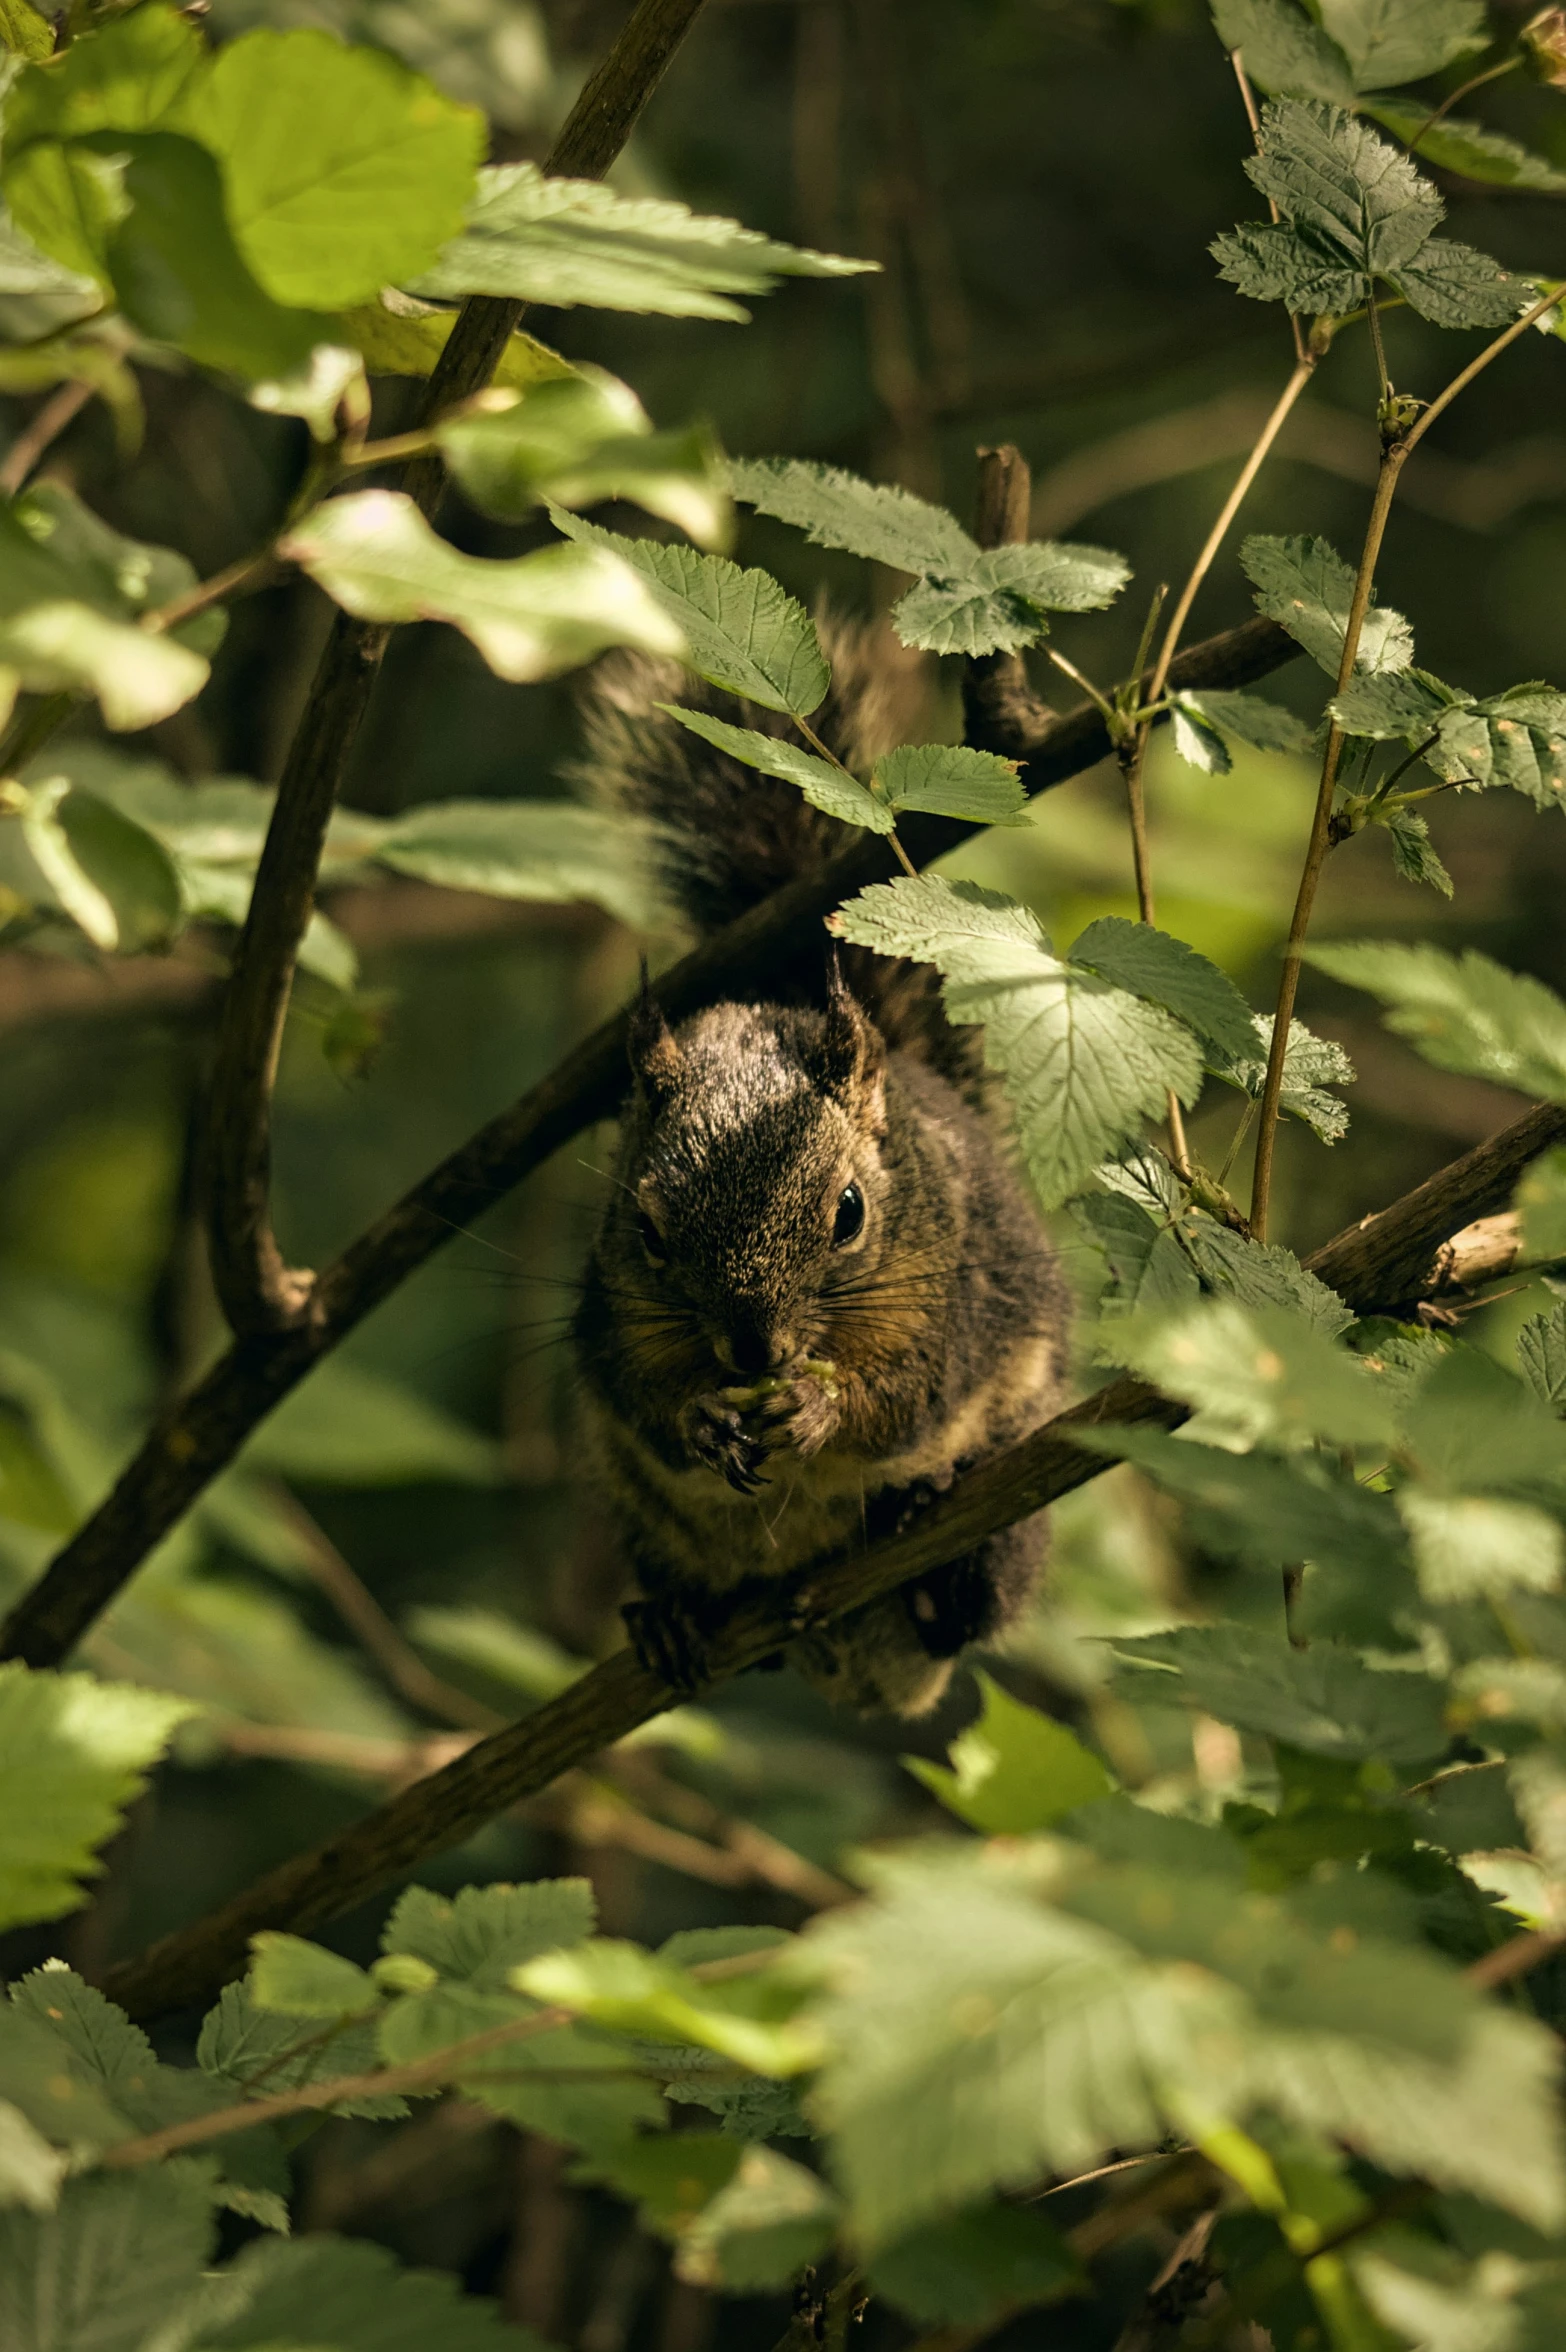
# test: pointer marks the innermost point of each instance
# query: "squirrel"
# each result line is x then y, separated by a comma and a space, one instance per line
818, 1291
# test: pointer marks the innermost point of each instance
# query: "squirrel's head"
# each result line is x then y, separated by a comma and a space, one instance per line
753, 1192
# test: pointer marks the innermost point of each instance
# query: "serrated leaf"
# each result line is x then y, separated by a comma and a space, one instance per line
1154, 964
969, 2270
342, 170
484, 1932
24, 32
1474, 1428
1259, 1376
73, 1754
1260, 1274
1197, 743
1462, 1012
1149, 1271
1540, 1200
1517, 738
1084, 1062
530, 617
949, 780
1262, 1511
999, 603
242, 2046
581, 438
301, 1979
837, 509
570, 2083
1306, 587
1390, 41
124, 75
550, 850
1013, 1770
1310, 1064
740, 630
1467, 1547
1267, 726
830, 789
1326, 1699
563, 242
1412, 853
103, 2270
1452, 285
1283, 51
1541, 1351
1272, 262
341, 2295
1407, 704
761, 2229
1342, 185
1470, 149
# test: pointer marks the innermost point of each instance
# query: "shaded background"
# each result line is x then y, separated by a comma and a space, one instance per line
1040, 180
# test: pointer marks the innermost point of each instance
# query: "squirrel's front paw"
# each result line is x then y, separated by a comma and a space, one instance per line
802, 1415
669, 1641
719, 1439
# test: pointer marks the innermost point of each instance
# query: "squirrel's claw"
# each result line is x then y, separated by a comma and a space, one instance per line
717, 1436
668, 1641
803, 1415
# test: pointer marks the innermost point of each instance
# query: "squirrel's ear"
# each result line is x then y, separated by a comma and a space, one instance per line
656, 1060
850, 1060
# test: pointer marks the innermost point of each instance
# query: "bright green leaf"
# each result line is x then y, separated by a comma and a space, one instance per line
1325, 1699
1463, 1013
551, 850
24, 32
1541, 1351
1412, 853
241, 2044
761, 2228
951, 781
1265, 1512
1467, 1547
1307, 588
837, 509
1470, 149
301, 1979
1265, 725
1198, 744
483, 1933
830, 789
1310, 1065
618, 1986
1155, 965
106, 2269
1013, 1770
530, 617
1259, 1376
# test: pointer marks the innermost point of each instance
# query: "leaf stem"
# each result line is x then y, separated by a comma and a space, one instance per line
830, 756
42, 429
31, 733
1393, 458
1373, 319
1465, 376
1475, 82
1079, 679
1253, 117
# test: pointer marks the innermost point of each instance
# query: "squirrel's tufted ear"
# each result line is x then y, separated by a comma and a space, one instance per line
850, 1061
656, 1060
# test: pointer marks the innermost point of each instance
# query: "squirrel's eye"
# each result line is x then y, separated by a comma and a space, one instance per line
849, 1222
652, 1240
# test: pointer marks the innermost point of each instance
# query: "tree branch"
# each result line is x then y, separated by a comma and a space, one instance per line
1367, 1265
259, 1292
203, 1430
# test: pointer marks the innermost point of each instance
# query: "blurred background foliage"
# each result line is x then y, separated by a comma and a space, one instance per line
402, 1556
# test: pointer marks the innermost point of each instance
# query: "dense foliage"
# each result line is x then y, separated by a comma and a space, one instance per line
1208, 1977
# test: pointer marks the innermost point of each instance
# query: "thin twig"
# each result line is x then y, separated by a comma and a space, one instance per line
246, 574
1392, 461
1252, 116
42, 429
1465, 376
1374, 1262
1515, 1958
1464, 89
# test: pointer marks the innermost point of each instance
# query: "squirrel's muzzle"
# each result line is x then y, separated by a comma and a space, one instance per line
753, 1344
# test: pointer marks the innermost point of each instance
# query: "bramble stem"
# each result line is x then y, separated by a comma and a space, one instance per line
1465, 376
1248, 101
1392, 462
1475, 82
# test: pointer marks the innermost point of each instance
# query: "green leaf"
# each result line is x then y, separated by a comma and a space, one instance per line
532, 849
761, 2229
1463, 1013
353, 1427
1412, 853
1161, 968
837, 509
484, 1933
111, 877
1289, 56
24, 32
125, 75
1265, 725
580, 438
67, 202
1541, 1351
1325, 1700
1540, 1200
629, 1991
670, 2176
740, 630
1013, 1770
1467, 1547
1388, 41
530, 617
1408, 703
326, 2294
1259, 1376
342, 170
1454, 286
1474, 1428
1260, 1274
830, 789
408, 340
968, 2271
568, 2082
1307, 588
1198, 744
104, 2271
562, 242
1276, 264
1517, 738
73, 1754
30, 2170
1310, 1064
315, 389
999, 604
301, 1979
181, 278
1149, 1271
1470, 149
1337, 182
951, 781
1084, 1062
1264, 1512
241, 2045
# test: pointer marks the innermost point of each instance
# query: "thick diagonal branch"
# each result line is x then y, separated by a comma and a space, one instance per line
203, 1430
260, 1293
1370, 1265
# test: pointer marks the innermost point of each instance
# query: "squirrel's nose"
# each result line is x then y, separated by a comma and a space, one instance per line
753, 1347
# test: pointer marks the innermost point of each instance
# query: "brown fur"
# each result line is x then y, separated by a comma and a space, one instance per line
765, 1391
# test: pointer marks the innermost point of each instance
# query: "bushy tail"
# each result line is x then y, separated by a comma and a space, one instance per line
731, 836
